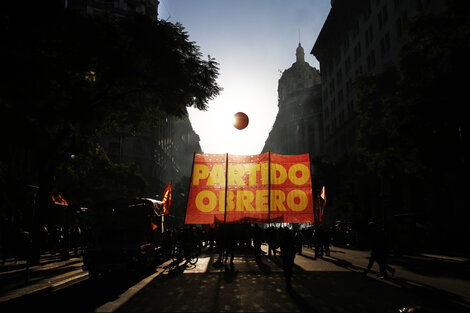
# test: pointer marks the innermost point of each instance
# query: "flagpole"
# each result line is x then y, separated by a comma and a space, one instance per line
269, 189
189, 187
226, 184
313, 204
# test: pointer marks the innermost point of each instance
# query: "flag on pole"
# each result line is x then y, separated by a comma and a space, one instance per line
58, 199
323, 196
167, 199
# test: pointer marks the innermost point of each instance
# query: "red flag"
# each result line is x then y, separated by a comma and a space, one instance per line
323, 196
59, 200
167, 199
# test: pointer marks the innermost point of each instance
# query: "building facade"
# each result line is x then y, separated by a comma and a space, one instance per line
163, 153
360, 37
119, 7
297, 128
357, 37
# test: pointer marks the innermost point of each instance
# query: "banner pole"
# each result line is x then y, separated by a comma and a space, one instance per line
313, 194
269, 189
189, 187
226, 184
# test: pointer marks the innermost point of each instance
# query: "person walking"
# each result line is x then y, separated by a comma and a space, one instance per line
231, 242
257, 238
287, 243
378, 251
299, 241
272, 241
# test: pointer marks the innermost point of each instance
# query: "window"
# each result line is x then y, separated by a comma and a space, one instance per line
371, 60
419, 5
369, 35
385, 44
357, 51
339, 76
325, 94
341, 117
397, 4
350, 109
399, 27
385, 13
349, 86
347, 65
346, 43
368, 11
340, 97
355, 29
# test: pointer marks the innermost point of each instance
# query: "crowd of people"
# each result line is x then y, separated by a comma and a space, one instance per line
280, 241
17, 243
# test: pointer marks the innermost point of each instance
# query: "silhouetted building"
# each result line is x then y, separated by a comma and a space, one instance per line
297, 128
360, 37
357, 37
162, 153
119, 7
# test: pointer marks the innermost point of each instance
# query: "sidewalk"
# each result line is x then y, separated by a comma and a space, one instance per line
52, 273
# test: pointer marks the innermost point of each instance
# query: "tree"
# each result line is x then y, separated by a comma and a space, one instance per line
72, 77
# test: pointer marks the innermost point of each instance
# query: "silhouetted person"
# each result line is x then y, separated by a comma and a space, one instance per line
378, 252
75, 239
287, 243
220, 242
230, 242
257, 238
319, 237
211, 238
326, 242
299, 238
273, 241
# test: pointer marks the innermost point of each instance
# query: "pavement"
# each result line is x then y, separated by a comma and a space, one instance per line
445, 274
17, 279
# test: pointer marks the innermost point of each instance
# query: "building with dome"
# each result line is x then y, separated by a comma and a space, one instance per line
298, 124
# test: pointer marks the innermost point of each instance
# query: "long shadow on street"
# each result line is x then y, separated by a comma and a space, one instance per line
259, 286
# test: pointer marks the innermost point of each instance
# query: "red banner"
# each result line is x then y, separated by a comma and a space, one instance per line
255, 183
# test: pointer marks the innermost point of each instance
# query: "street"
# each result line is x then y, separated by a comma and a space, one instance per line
329, 284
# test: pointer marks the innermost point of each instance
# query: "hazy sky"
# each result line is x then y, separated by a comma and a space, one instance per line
253, 41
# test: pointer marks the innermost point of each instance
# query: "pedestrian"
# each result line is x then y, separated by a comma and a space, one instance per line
326, 241
76, 239
287, 244
220, 242
378, 251
298, 241
273, 241
230, 242
257, 238
319, 238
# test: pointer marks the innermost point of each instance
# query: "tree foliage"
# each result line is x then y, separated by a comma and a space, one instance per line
71, 77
